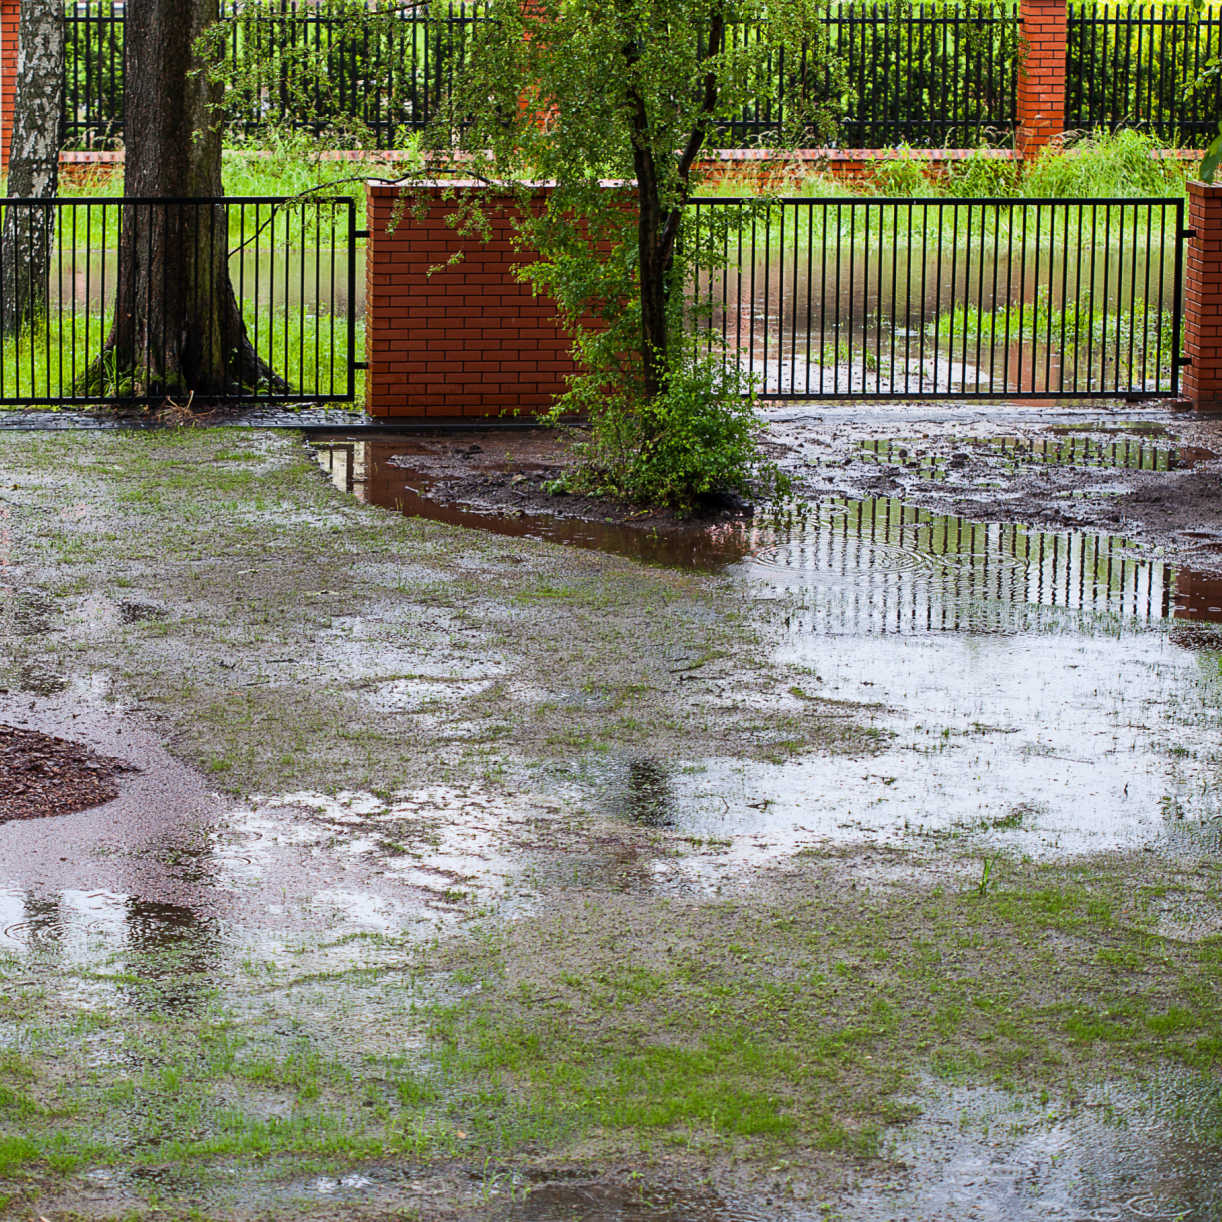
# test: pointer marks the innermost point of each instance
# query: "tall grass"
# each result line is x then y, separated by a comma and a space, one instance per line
1125, 164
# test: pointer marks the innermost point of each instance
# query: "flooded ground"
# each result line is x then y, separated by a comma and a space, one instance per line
858, 858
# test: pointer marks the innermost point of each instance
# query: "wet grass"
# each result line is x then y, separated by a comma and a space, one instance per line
794, 1024
611, 1023
309, 350
289, 606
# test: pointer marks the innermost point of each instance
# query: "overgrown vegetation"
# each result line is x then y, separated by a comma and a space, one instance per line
1123, 164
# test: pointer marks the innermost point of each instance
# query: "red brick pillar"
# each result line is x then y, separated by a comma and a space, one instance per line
9, 10
1202, 343
1041, 75
444, 339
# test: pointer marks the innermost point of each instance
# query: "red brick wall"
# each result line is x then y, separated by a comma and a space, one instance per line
1041, 75
468, 340
858, 167
9, 10
1202, 380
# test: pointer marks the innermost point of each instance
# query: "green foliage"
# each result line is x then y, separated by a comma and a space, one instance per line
1124, 164
348, 74
698, 436
981, 175
1212, 158
903, 175
576, 93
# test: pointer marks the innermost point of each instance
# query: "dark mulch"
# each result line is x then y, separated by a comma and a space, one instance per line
41, 775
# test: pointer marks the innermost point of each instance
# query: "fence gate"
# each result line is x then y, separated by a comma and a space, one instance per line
943, 298
292, 269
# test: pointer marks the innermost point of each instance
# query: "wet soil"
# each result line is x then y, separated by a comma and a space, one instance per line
42, 776
497, 479
1155, 477
870, 871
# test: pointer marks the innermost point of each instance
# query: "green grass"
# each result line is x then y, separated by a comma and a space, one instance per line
1105, 166
310, 351
797, 1021
1077, 325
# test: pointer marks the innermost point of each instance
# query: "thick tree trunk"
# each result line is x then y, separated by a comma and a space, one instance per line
25, 245
177, 326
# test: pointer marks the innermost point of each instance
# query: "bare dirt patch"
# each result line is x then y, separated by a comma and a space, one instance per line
41, 775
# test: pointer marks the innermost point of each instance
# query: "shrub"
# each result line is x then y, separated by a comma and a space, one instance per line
698, 437
903, 175
1121, 164
980, 174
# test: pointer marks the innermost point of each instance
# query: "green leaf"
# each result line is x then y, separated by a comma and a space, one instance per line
1212, 158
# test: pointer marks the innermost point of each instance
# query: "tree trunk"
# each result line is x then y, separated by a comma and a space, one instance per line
177, 327
25, 245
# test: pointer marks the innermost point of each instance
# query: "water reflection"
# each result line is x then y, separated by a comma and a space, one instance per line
852, 566
1130, 453
648, 795
168, 953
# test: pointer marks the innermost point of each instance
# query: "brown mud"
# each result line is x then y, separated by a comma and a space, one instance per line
1153, 476
41, 775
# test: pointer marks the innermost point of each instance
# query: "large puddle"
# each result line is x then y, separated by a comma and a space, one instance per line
1033, 692
1028, 680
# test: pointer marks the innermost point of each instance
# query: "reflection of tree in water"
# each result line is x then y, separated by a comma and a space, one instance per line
173, 953
649, 797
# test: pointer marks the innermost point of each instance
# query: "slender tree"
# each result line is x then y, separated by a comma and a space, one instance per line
177, 326
576, 92
25, 245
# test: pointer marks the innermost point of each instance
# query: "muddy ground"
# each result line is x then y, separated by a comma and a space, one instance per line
473, 875
1001, 465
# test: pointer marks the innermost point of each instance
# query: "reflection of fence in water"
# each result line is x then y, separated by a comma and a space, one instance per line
881, 566
1129, 453
823, 298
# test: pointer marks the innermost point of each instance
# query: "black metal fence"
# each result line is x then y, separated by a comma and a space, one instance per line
371, 73
1144, 66
292, 273
929, 75
921, 298
923, 73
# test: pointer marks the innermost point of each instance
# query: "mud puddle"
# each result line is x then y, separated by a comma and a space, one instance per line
1009, 453
488, 483
1042, 691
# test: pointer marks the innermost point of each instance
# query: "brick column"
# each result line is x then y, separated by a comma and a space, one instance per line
1201, 382
9, 15
470, 339
1041, 75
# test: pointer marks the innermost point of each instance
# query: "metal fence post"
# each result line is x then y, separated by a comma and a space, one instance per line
1041, 75
1202, 373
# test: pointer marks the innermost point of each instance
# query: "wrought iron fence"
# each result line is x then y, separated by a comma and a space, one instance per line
929, 75
921, 298
892, 72
373, 73
291, 277
1143, 66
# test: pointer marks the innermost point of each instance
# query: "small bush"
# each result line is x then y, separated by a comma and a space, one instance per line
699, 437
902, 175
981, 175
